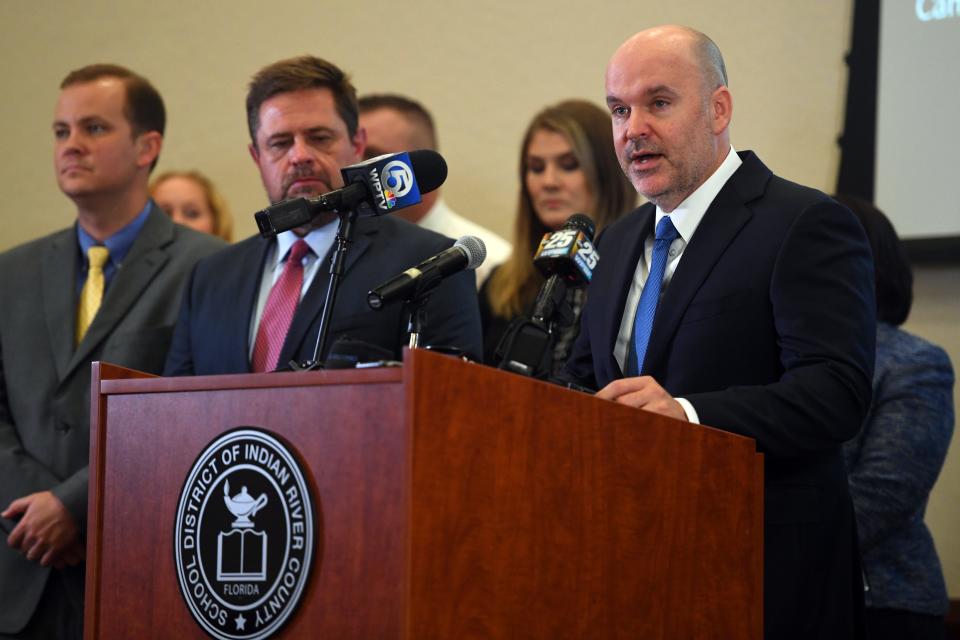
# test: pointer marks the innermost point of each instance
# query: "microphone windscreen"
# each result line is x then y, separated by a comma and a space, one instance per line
583, 223
475, 250
430, 169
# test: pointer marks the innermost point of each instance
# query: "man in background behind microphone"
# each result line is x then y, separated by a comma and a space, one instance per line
396, 123
258, 304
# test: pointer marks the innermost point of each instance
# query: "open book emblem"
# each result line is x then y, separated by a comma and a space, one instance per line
242, 551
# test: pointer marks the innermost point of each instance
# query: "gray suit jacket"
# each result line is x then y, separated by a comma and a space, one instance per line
45, 380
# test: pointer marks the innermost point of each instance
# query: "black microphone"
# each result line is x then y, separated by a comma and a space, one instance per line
374, 187
567, 258
468, 252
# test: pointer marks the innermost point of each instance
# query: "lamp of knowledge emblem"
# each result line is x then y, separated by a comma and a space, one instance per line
244, 535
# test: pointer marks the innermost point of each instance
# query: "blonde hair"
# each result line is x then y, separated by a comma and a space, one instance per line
587, 128
222, 219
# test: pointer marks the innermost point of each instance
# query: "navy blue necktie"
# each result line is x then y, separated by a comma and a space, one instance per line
647, 308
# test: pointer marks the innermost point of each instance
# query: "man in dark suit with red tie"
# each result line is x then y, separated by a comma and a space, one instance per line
258, 304
742, 301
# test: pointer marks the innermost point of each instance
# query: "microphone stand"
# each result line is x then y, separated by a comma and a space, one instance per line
416, 314
527, 346
344, 240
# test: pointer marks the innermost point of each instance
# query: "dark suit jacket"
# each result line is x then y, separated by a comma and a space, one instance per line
767, 328
45, 380
212, 335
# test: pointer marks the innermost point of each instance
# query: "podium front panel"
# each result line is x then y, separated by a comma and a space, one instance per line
453, 501
539, 512
351, 442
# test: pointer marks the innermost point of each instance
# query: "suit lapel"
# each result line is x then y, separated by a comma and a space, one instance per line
145, 259
623, 259
58, 289
238, 285
311, 306
723, 220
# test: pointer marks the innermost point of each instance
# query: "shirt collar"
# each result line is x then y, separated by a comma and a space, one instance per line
319, 240
688, 214
120, 242
438, 210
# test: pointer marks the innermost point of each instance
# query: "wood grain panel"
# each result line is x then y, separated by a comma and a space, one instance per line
454, 501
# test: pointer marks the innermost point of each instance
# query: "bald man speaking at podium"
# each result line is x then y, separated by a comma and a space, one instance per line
742, 301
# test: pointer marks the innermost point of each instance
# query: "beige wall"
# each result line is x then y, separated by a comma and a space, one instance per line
483, 68
936, 317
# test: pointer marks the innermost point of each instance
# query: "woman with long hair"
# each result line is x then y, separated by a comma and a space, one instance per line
568, 165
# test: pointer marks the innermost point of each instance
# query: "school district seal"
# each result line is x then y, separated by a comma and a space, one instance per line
244, 535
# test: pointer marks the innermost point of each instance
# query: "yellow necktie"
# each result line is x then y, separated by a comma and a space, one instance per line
92, 293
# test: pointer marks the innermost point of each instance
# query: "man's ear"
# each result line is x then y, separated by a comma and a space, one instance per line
359, 142
721, 109
149, 144
254, 153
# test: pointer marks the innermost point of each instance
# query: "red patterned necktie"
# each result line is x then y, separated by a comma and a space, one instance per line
279, 310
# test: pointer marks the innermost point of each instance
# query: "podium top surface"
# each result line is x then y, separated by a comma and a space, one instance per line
119, 380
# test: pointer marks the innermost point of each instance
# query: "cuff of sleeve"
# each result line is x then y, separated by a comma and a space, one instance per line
689, 410
73, 494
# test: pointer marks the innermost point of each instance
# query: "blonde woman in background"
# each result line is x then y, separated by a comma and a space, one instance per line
567, 165
191, 199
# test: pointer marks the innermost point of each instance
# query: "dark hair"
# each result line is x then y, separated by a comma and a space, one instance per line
412, 109
144, 107
298, 74
893, 274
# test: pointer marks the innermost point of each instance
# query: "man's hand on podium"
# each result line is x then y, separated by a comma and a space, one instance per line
46, 532
645, 393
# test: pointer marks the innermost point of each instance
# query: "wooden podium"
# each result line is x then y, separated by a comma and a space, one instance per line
453, 501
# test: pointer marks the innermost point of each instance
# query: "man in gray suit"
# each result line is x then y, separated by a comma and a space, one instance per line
106, 288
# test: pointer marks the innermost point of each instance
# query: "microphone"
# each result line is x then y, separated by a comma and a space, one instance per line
567, 257
468, 252
371, 188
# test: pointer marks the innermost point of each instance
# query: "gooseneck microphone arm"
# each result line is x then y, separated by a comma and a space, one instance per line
416, 311
344, 239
